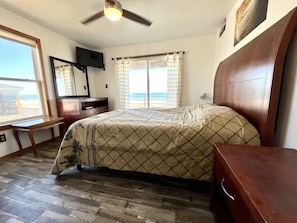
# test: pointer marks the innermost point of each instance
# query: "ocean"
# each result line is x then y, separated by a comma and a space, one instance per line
12, 97
143, 96
160, 96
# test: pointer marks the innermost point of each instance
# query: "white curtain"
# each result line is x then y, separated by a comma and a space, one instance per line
66, 80
174, 66
122, 79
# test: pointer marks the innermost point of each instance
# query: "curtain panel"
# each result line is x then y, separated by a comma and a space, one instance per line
174, 77
174, 66
122, 86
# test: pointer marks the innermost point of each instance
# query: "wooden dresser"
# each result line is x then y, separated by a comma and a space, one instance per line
254, 184
73, 109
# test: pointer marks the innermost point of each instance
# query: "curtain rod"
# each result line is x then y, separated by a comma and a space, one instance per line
150, 55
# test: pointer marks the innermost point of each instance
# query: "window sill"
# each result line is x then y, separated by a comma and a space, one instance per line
5, 127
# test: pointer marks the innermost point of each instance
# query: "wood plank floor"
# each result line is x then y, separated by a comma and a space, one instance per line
29, 193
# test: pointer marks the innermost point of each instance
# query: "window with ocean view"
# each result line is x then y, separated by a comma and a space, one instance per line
149, 82
20, 86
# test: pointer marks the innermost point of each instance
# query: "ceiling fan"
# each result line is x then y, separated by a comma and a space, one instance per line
113, 11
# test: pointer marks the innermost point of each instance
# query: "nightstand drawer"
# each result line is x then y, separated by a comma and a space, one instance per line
237, 206
254, 184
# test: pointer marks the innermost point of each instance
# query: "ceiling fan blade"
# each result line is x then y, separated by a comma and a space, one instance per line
93, 17
136, 18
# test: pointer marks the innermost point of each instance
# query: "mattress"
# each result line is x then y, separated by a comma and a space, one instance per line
175, 142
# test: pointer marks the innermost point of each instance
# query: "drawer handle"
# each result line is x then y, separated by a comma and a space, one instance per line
225, 191
89, 107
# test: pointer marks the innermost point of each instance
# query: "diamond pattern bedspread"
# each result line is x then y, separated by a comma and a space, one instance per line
173, 142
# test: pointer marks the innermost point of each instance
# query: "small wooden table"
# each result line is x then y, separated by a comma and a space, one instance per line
37, 124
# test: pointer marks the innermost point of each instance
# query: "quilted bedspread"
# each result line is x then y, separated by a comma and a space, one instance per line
173, 142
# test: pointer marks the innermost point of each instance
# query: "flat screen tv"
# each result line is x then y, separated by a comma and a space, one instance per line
91, 58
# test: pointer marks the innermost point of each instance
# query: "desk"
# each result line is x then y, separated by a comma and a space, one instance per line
37, 124
254, 184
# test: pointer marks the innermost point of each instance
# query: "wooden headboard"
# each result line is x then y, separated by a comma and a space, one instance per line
249, 81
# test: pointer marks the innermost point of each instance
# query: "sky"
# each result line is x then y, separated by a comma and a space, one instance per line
138, 80
16, 62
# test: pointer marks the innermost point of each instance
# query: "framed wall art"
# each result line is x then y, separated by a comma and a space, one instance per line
249, 15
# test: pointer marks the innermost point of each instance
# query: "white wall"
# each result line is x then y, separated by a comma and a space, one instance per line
197, 73
52, 44
287, 119
287, 122
224, 44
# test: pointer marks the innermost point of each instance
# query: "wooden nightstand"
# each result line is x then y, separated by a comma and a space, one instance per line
254, 184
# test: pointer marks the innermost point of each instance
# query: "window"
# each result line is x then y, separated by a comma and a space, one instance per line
150, 82
21, 83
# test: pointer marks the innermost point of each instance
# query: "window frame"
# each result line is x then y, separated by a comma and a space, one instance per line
38, 63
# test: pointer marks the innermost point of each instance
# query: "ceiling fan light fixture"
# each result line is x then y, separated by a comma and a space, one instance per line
113, 10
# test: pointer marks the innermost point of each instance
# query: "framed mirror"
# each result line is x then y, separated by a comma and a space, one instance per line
70, 79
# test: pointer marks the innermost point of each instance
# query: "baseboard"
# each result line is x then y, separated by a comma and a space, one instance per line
28, 149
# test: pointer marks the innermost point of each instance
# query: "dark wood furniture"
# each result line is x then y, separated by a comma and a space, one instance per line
259, 183
254, 184
73, 109
33, 125
249, 81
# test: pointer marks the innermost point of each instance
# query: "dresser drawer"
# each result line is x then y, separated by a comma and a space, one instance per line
90, 112
236, 204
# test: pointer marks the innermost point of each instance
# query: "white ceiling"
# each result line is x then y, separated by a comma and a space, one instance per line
171, 19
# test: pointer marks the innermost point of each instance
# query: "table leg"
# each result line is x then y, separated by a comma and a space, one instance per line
53, 133
62, 129
16, 135
33, 143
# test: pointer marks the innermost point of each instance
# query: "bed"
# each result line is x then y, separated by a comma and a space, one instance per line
173, 142
178, 142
